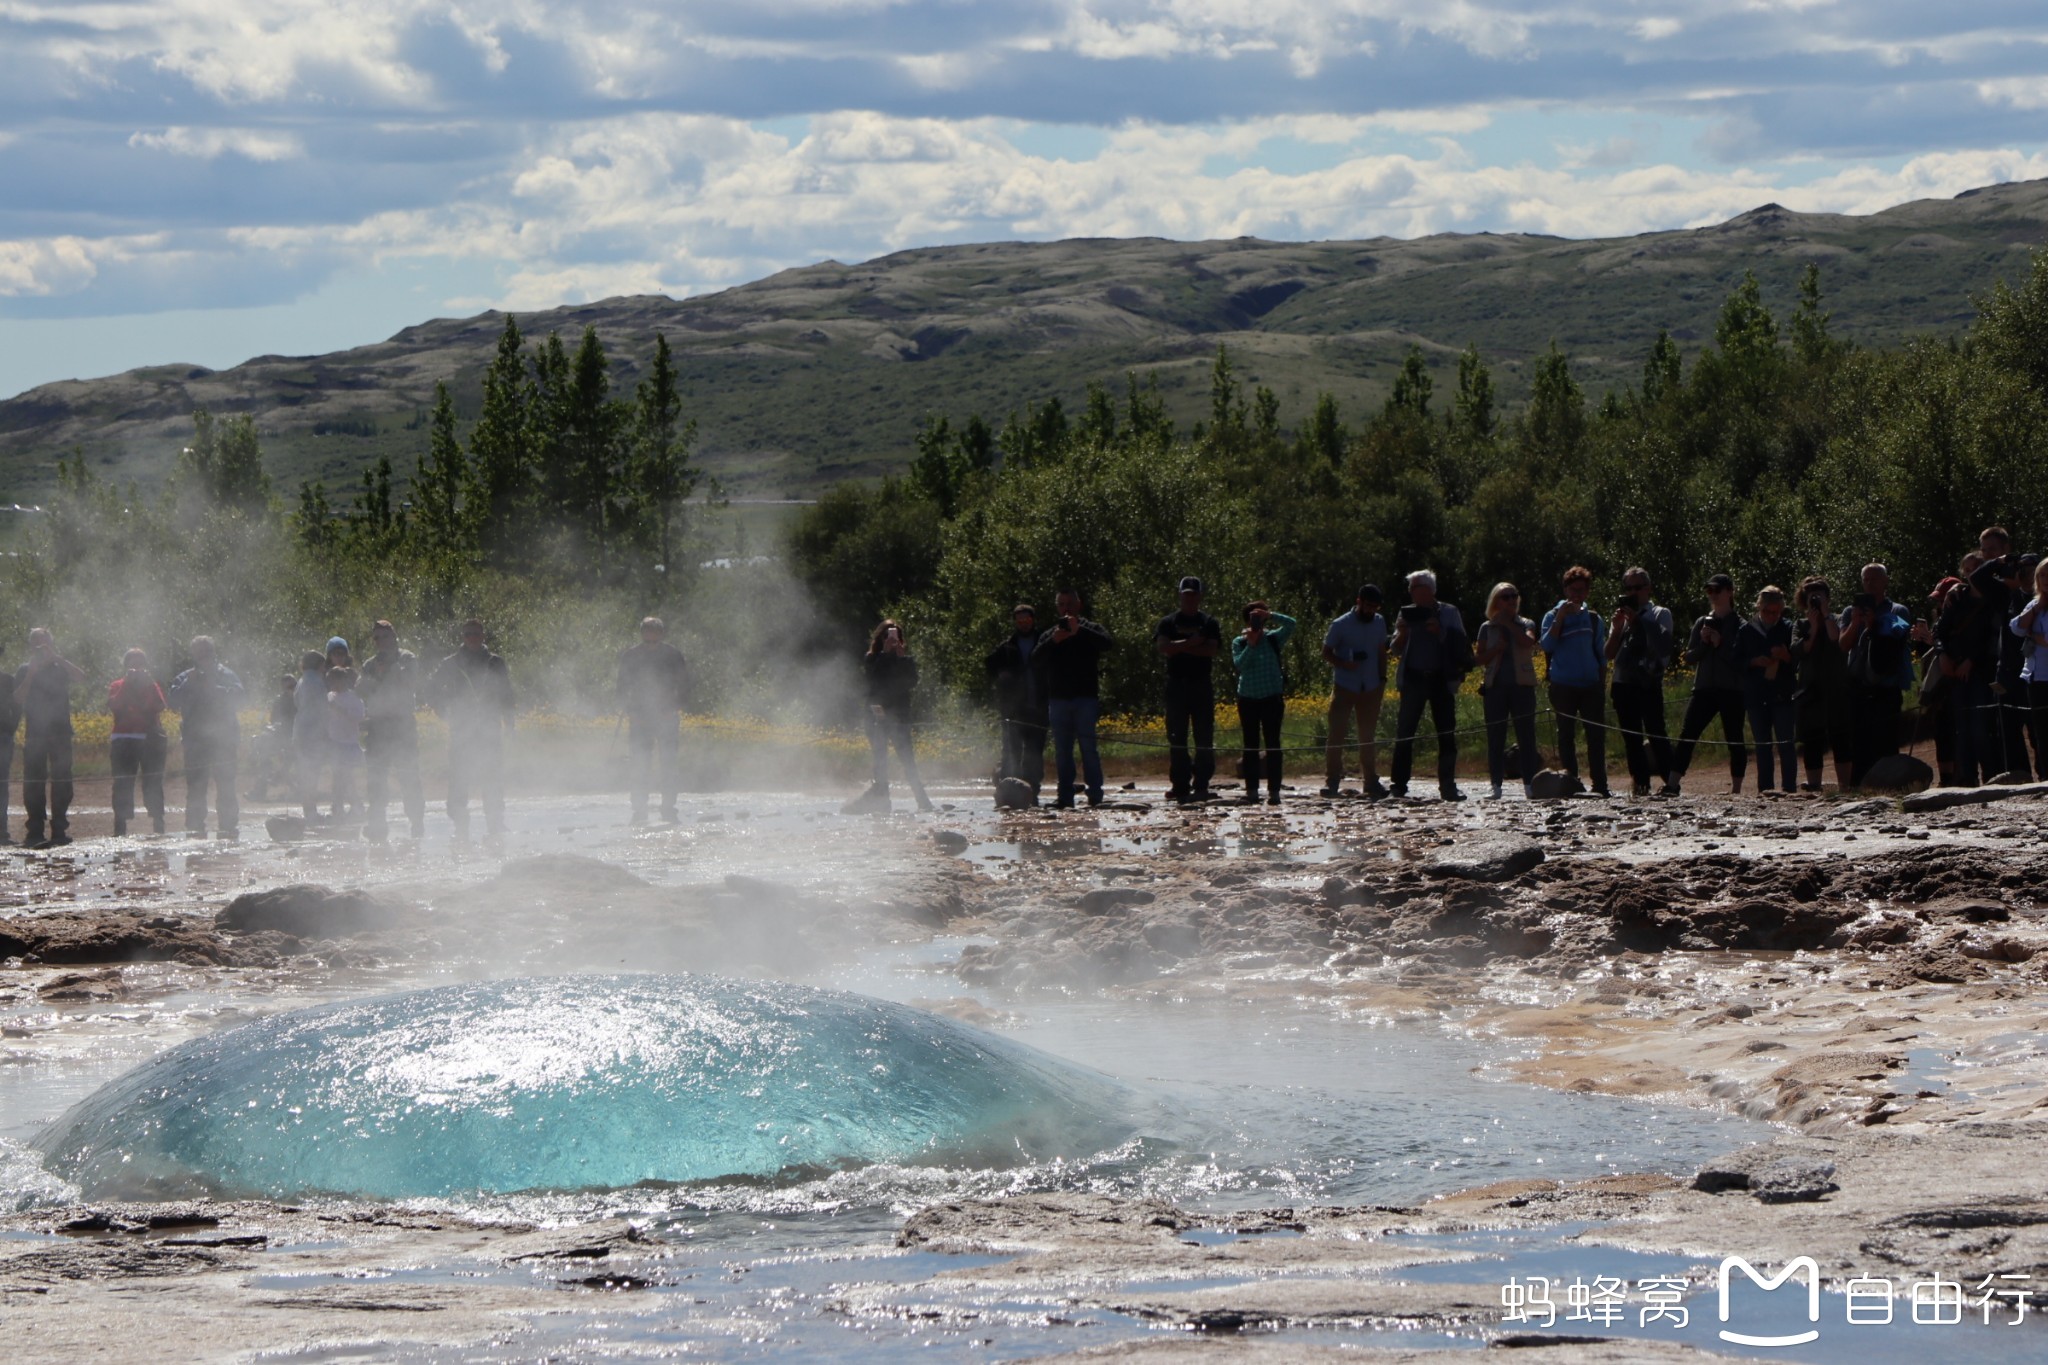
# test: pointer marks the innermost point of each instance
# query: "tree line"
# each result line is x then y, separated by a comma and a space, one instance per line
1777, 450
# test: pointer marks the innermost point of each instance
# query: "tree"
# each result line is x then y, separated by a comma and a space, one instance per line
437, 483
663, 475
1554, 426
1323, 435
223, 467
592, 452
1810, 339
1412, 386
501, 474
1472, 414
1661, 372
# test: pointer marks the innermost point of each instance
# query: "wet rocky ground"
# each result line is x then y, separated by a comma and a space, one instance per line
1871, 975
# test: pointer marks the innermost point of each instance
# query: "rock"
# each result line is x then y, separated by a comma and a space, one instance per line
1336, 892
1486, 857
1014, 793
949, 840
83, 987
1947, 798
1554, 785
1793, 1180
75, 938
304, 910
1104, 899
1898, 773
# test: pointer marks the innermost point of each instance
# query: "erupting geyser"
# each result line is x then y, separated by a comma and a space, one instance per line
574, 1083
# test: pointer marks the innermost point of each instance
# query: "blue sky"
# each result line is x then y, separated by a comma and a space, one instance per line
206, 180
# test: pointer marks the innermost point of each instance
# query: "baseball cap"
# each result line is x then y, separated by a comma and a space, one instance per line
336, 643
1191, 584
1720, 580
1371, 593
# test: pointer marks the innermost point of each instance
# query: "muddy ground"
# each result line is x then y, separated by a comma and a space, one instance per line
1871, 975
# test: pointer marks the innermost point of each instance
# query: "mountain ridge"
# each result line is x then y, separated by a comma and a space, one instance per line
825, 370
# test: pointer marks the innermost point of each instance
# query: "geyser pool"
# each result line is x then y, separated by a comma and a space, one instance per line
578, 1082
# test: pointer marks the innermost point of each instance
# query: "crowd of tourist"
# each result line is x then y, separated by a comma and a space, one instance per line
343, 737
1793, 677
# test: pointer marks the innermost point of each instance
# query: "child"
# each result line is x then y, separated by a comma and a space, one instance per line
345, 712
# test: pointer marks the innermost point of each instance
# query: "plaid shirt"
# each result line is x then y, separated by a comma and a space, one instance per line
1258, 669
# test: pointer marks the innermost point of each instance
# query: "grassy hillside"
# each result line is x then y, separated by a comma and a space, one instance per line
824, 372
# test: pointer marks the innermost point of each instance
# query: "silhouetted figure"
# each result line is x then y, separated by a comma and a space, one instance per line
206, 697
472, 691
1190, 638
389, 685
1020, 702
43, 688
137, 746
653, 689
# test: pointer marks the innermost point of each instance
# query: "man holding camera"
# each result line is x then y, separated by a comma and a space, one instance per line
2002, 584
1068, 659
1355, 647
1876, 635
653, 689
1640, 639
1020, 703
208, 698
1190, 639
1435, 653
1575, 639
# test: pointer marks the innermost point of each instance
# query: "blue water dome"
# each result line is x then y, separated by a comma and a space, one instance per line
575, 1083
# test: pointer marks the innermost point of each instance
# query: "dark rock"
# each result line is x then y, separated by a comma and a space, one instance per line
1947, 798
949, 840
1898, 773
83, 987
75, 938
1014, 793
1554, 785
1104, 899
304, 910
1486, 857
1793, 1180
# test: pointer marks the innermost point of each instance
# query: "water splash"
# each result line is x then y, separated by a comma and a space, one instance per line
575, 1083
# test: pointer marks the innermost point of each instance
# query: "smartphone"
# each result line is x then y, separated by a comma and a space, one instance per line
1625, 602
1864, 601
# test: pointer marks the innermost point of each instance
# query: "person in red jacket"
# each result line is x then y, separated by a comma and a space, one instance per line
137, 705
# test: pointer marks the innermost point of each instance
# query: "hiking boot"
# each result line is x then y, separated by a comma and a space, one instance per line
57, 840
1496, 791
1449, 792
1639, 789
1331, 792
1375, 790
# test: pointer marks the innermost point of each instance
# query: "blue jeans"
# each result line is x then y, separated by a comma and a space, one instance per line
1073, 719
1774, 724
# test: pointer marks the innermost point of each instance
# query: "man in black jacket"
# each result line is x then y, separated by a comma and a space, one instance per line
1068, 661
1190, 638
1020, 702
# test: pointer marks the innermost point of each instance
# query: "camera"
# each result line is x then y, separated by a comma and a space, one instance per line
1415, 615
1864, 601
1626, 602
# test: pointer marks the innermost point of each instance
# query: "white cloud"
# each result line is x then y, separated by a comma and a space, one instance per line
208, 143
40, 269
1657, 29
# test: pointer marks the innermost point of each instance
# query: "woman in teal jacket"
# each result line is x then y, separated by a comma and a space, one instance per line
1261, 695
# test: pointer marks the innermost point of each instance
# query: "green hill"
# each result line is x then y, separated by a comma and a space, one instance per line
825, 372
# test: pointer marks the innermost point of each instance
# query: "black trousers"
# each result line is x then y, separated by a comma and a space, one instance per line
46, 782
1874, 719
6, 778
391, 756
1706, 703
130, 757
1824, 728
1260, 717
1023, 751
211, 759
2037, 709
1639, 711
1190, 708
1435, 693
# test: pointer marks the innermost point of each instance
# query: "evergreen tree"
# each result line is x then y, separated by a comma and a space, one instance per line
663, 476
1472, 413
1324, 436
1411, 387
1554, 426
497, 502
1661, 371
592, 452
437, 484
1810, 339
